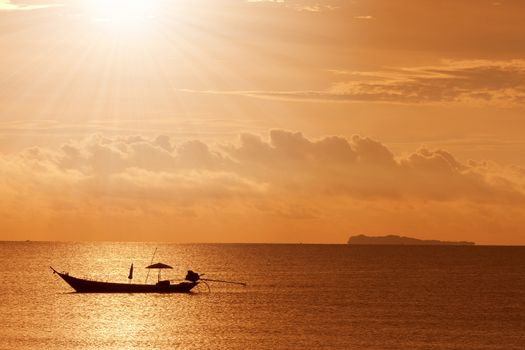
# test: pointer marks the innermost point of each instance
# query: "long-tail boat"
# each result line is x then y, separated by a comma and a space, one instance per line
81, 285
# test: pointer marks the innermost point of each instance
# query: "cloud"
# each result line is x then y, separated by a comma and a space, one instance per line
286, 176
300, 5
7, 5
467, 82
315, 8
359, 166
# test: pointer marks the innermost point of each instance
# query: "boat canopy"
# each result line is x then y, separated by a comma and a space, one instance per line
159, 266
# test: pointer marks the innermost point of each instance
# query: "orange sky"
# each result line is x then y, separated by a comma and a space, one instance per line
262, 121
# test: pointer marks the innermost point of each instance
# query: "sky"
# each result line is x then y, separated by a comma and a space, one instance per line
285, 121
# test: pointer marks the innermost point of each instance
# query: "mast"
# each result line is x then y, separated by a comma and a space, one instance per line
151, 262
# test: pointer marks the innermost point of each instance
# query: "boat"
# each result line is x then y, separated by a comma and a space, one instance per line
81, 285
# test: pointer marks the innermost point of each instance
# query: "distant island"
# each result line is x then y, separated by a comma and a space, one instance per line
399, 240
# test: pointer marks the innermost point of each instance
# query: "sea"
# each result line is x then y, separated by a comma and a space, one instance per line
298, 296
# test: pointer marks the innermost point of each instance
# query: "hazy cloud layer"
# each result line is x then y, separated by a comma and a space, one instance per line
332, 165
308, 6
126, 173
7, 5
470, 82
126, 187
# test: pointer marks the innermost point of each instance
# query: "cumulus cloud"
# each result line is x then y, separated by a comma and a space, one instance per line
284, 175
358, 166
471, 82
365, 168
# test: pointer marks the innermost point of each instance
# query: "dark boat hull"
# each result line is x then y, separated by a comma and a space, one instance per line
87, 286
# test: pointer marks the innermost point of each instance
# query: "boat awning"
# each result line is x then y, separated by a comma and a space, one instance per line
159, 266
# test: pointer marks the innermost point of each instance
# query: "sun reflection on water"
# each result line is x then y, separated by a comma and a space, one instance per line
123, 321
128, 320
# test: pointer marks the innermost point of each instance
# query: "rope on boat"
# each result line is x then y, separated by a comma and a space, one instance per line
207, 285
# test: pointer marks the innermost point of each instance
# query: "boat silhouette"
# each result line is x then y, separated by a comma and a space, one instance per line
81, 285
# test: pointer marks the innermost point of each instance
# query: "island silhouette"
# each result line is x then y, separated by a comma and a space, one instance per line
399, 240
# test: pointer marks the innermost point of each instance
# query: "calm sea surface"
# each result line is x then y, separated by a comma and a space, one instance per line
298, 297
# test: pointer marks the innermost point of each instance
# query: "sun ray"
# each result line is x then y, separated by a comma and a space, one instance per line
123, 9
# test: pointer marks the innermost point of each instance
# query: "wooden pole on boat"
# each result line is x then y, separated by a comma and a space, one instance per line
210, 280
151, 262
130, 276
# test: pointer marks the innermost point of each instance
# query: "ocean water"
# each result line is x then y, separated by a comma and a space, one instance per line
297, 297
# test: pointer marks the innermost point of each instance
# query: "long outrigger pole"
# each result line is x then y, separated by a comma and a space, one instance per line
231, 282
195, 277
